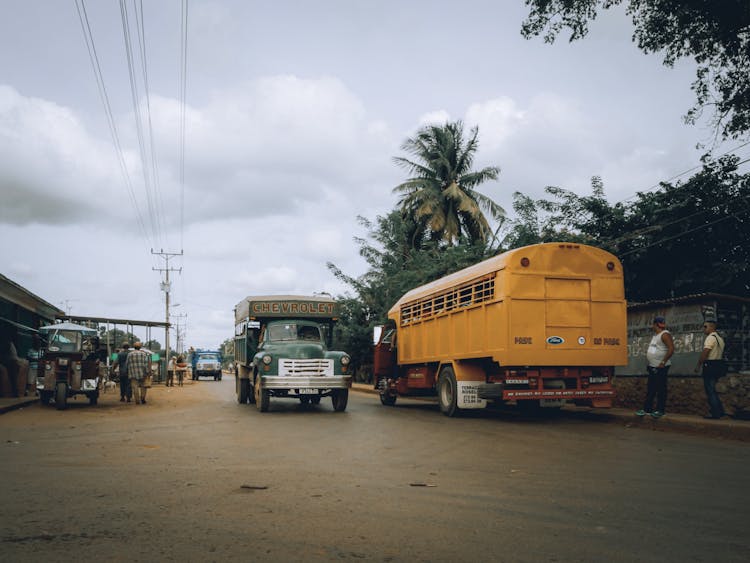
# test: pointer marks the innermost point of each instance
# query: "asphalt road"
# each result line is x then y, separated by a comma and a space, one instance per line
193, 476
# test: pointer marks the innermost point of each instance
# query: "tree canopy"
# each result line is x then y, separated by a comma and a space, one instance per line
715, 34
440, 198
683, 238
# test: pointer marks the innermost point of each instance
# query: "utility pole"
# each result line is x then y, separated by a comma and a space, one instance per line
180, 334
166, 287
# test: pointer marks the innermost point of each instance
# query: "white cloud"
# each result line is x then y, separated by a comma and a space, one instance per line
437, 117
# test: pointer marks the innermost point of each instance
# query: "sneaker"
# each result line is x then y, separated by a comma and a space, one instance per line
640, 413
657, 414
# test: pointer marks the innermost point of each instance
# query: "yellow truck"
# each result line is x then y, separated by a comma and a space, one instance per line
539, 326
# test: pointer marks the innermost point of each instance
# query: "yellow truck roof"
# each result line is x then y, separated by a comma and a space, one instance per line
511, 260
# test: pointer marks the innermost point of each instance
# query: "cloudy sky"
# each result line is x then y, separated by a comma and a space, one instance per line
294, 112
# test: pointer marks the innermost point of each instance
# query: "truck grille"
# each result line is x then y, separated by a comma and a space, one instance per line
306, 367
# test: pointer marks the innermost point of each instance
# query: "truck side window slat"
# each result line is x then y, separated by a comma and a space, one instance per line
470, 294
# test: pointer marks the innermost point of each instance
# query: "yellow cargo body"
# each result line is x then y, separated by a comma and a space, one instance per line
547, 311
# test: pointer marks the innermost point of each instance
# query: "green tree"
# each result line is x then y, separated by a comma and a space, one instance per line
715, 34
684, 238
227, 351
394, 267
440, 197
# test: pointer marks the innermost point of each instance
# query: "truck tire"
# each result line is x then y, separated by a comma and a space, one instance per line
243, 391
93, 397
61, 396
386, 397
339, 398
448, 392
262, 398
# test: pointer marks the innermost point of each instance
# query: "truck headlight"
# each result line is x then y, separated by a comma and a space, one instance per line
345, 360
267, 359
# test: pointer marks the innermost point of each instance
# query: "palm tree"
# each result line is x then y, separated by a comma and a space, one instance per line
441, 196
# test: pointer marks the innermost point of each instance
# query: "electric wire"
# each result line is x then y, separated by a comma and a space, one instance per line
183, 101
696, 167
104, 97
615, 242
151, 205
140, 27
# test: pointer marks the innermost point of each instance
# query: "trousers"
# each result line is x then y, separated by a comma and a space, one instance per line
714, 402
657, 387
125, 391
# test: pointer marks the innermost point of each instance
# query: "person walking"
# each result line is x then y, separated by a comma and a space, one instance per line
139, 372
171, 367
658, 355
713, 365
126, 392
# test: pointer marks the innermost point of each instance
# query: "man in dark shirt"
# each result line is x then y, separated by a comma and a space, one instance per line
126, 392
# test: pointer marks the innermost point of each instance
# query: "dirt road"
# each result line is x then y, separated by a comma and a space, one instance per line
193, 476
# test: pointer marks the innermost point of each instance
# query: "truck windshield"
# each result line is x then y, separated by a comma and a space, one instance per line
208, 358
65, 341
289, 331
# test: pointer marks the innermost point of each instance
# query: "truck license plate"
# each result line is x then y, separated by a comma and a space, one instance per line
308, 391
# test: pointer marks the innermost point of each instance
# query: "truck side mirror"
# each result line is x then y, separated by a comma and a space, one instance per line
377, 332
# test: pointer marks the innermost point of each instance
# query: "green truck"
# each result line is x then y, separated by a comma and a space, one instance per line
281, 346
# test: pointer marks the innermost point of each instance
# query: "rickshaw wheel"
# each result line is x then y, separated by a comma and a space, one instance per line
61, 396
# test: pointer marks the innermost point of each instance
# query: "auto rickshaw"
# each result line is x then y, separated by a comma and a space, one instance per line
69, 364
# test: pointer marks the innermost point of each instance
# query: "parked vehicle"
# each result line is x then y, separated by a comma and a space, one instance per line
69, 364
206, 363
282, 350
538, 326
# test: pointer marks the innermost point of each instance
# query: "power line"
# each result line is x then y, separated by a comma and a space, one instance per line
151, 205
696, 167
736, 214
183, 100
98, 75
140, 26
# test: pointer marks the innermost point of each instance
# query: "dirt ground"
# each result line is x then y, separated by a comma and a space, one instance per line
193, 476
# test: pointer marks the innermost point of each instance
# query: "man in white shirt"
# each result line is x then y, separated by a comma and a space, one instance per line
658, 355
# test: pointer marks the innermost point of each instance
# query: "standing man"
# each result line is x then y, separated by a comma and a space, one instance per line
126, 392
713, 366
658, 355
171, 367
139, 372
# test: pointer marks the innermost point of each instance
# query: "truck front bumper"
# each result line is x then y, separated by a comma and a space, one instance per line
312, 382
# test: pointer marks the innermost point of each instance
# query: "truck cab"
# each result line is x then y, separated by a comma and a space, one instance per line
207, 363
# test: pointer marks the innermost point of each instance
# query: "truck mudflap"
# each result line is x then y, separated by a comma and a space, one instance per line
313, 382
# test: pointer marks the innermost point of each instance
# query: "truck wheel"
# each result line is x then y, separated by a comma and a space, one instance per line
93, 397
386, 396
243, 390
61, 396
447, 392
262, 398
339, 398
